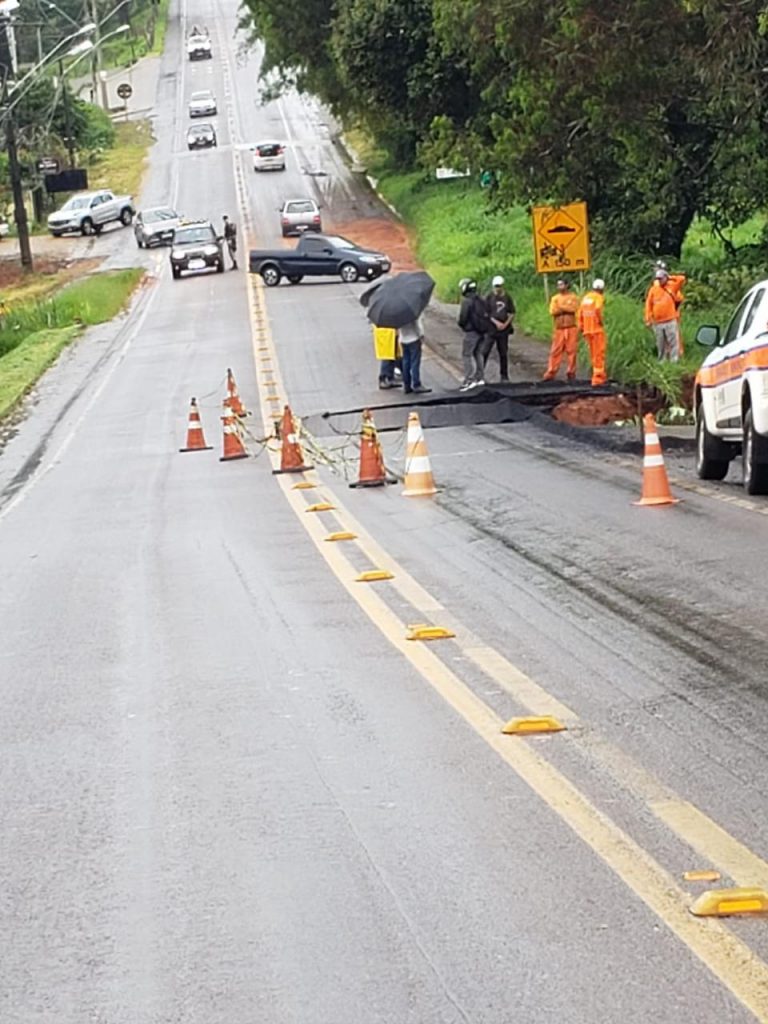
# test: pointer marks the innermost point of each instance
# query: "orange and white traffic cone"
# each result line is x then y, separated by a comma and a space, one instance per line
233, 443
233, 398
372, 471
195, 436
655, 483
291, 455
419, 481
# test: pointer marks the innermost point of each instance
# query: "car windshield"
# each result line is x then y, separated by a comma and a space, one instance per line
302, 206
201, 129
192, 235
77, 203
202, 96
150, 216
341, 243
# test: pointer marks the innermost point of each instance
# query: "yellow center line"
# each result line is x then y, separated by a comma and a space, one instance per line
729, 959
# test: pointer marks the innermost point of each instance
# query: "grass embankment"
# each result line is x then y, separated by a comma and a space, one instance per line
122, 167
457, 236
35, 331
145, 40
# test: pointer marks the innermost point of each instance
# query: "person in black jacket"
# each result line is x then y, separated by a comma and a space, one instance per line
501, 310
475, 322
230, 237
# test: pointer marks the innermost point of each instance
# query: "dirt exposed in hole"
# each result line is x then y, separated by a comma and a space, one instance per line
384, 235
601, 410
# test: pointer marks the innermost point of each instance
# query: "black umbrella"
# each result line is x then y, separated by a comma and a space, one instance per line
398, 300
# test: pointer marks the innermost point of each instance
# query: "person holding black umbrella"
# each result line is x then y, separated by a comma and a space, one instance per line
398, 303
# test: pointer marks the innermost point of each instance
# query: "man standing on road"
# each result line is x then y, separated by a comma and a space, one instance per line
501, 310
475, 322
662, 313
230, 237
411, 336
565, 339
592, 328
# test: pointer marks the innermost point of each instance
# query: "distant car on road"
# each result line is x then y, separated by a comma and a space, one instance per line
297, 215
196, 246
731, 394
88, 212
202, 104
201, 136
269, 156
199, 44
155, 226
318, 256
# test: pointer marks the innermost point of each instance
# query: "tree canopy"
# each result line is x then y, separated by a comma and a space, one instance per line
653, 112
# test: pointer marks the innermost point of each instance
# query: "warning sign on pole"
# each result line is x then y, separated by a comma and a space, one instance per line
561, 238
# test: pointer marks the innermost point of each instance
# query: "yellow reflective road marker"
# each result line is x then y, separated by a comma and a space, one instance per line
532, 726
702, 876
423, 632
342, 535
373, 575
727, 902
304, 485
321, 506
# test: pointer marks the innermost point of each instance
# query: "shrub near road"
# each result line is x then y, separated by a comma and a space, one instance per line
34, 333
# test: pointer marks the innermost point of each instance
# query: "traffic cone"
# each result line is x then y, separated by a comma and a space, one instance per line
195, 437
291, 455
233, 398
655, 483
233, 444
372, 472
418, 471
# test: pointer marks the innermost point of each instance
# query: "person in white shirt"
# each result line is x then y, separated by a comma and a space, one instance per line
411, 336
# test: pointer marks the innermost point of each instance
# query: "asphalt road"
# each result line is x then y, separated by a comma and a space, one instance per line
232, 792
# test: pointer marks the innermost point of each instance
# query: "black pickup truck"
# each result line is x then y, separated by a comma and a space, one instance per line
318, 256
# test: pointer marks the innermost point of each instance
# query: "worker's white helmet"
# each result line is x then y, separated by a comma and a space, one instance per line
598, 284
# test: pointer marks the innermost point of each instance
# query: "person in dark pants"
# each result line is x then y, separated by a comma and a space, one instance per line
411, 336
230, 237
501, 310
475, 323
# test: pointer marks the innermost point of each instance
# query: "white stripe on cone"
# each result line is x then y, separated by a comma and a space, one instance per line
418, 464
652, 461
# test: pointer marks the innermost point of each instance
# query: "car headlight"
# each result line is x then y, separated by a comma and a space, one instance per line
210, 250
369, 259
177, 254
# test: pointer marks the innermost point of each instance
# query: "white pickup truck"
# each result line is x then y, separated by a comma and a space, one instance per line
731, 394
88, 212
199, 44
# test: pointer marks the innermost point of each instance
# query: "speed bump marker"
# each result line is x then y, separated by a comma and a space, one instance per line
373, 575
341, 535
702, 876
429, 633
531, 726
728, 902
304, 485
321, 506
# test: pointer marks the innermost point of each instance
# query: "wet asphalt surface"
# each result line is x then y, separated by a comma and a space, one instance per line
226, 796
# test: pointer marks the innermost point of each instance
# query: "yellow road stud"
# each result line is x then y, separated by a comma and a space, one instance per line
341, 535
727, 902
531, 726
304, 485
373, 575
321, 506
701, 876
429, 633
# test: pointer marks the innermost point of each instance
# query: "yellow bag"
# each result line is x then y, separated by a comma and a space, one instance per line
385, 343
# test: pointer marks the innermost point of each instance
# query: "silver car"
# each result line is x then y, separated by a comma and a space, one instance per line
155, 226
299, 215
202, 104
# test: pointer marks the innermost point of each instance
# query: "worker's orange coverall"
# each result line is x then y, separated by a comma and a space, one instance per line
592, 327
565, 339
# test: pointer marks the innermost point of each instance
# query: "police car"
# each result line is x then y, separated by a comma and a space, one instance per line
731, 394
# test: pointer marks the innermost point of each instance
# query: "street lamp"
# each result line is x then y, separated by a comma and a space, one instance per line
10, 98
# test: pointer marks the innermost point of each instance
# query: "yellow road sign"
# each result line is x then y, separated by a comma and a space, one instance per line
561, 238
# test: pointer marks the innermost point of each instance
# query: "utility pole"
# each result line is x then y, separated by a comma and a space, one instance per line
70, 142
19, 210
98, 84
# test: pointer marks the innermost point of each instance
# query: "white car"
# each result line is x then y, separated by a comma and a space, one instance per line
731, 394
199, 44
202, 104
88, 212
269, 156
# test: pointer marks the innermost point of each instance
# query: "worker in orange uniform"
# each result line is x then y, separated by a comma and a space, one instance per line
565, 338
592, 327
662, 313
